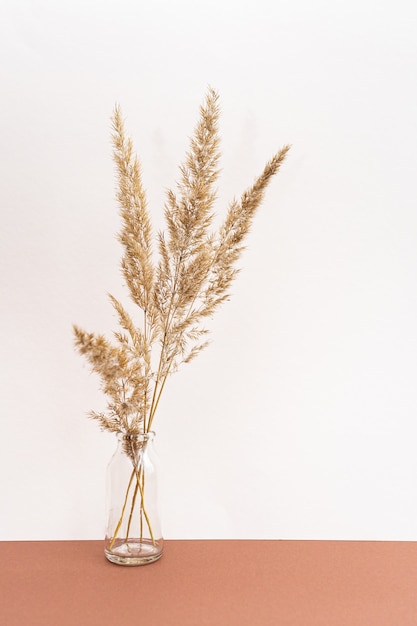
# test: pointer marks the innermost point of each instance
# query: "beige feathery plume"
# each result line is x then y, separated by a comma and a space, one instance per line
188, 283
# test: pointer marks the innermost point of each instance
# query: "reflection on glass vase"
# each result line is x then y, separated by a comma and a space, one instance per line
133, 534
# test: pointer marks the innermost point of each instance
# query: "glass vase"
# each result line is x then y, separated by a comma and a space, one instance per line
133, 532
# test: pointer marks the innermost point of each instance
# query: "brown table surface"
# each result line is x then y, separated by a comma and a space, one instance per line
216, 583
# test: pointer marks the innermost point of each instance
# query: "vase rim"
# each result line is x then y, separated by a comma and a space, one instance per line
150, 434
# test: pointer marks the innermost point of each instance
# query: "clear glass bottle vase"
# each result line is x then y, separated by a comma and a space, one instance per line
133, 532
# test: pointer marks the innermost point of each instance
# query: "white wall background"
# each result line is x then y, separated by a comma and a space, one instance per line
299, 422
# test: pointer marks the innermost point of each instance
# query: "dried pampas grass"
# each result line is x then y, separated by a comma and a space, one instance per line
175, 295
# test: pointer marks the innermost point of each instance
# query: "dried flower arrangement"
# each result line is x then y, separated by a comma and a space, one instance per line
174, 296
186, 286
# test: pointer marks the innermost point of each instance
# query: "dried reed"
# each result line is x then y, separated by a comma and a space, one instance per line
187, 284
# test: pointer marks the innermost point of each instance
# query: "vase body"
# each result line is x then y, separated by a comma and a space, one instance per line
133, 531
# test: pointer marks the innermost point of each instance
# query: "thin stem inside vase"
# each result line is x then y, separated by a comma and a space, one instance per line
139, 487
120, 522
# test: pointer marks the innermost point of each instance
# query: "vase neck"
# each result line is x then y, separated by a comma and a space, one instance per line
135, 445
136, 438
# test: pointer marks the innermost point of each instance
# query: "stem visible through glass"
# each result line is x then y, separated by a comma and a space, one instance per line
140, 478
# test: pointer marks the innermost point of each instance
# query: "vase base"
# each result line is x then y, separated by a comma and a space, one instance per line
134, 552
